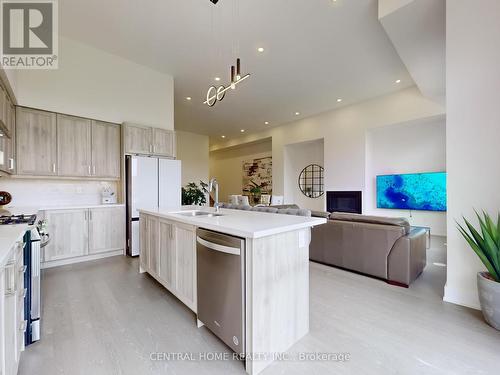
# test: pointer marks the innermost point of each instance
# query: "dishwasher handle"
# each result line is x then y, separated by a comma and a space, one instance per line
217, 247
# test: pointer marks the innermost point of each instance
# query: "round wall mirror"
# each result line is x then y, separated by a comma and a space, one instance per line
311, 181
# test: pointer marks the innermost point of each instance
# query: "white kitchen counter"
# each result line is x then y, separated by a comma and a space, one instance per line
9, 235
28, 210
246, 224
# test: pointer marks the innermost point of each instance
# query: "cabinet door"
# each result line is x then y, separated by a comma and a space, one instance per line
144, 241
36, 135
153, 237
3, 106
167, 253
137, 139
106, 229
105, 150
73, 146
163, 142
185, 243
11, 145
68, 234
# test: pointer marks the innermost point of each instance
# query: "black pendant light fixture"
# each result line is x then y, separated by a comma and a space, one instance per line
215, 94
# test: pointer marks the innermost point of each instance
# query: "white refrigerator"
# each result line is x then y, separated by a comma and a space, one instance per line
151, 183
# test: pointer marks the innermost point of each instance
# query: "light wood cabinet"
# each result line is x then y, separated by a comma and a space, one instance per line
163, 142
11, 144
36, 139
106, 229
73, 146
84, 234
144, 242
138, 139
13, 324
168, 253
185, 243
154, 256
105, 149
68, 234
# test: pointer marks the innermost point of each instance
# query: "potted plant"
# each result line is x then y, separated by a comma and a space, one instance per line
486, 244
255, 191
193, 194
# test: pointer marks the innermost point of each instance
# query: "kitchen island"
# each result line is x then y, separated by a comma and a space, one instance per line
275, 270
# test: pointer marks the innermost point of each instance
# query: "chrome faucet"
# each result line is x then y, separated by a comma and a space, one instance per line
211, 185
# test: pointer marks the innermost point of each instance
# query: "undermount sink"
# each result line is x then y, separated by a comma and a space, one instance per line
199, 213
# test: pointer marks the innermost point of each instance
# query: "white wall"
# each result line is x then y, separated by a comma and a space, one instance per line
344, 133
414, 147
473, 132
48, 193
192, 150
93, 83
227, 166
297, 157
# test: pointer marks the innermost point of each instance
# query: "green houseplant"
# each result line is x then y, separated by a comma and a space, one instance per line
192, 194
485, 242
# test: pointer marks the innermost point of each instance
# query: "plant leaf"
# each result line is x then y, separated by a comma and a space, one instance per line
489, 247
479, 253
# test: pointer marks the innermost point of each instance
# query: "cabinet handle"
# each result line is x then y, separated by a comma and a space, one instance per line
154, 149
150, 148
22, 326
53, 167
85, 215
10, 284
93, 170
89, 171
11, 164
90, 214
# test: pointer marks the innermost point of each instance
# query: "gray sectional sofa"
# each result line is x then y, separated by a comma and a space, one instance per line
386, 248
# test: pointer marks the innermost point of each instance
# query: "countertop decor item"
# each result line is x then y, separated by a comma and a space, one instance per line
485, 242
5, 199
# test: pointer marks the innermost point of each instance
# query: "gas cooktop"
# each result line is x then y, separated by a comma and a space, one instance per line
17, 219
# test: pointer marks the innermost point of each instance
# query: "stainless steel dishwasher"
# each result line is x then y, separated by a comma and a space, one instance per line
221, 286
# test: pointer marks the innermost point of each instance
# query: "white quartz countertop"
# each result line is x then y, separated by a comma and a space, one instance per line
246, 224
29, 210
9, 235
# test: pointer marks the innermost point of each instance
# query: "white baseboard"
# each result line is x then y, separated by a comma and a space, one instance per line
467, 298
85, 258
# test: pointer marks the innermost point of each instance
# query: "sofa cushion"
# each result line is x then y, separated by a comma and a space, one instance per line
322, 214
394, 221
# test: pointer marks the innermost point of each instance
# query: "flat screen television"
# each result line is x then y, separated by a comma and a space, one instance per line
414, 191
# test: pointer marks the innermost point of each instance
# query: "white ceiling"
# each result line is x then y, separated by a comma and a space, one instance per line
315, 52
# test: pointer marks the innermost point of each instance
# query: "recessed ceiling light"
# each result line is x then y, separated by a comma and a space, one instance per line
260, 49
223, 136
242, 130
339, 100
398, 81
217, 78
188, 98
297, 113
267, 122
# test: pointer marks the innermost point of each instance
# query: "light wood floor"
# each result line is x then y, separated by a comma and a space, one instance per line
103, 317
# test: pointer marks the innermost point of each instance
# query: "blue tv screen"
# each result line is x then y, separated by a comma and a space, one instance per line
416, 191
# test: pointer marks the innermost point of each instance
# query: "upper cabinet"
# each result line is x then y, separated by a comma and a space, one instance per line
7, 133
66, 146
73, 146
138, 139
105, 149
36, 139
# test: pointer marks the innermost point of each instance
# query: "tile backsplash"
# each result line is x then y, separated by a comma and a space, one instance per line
43, 193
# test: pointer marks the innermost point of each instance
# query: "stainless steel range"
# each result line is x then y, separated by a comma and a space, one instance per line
32, 256
17, 219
